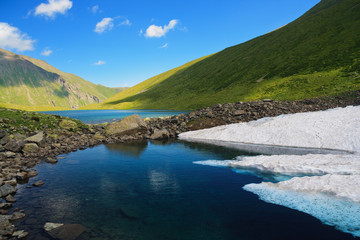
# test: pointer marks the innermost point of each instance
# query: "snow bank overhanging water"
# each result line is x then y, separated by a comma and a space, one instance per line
332, 129
333, 197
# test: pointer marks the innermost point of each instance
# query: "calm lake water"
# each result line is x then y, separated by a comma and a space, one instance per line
153, 191
101, 116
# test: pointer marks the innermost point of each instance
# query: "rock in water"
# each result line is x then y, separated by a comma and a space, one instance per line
67, 231
127, 126
51, 160
38, 183
51, 226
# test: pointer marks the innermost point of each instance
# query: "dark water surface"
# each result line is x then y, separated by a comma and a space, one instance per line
153, 191
101, 116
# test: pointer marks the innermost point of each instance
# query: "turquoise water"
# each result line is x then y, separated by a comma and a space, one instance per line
101, 116
153, 191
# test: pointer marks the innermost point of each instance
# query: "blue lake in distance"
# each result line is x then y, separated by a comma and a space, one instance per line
152, 190
101, 116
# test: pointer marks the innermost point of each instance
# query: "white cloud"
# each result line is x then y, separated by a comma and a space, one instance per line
95, 8
52, 7
46, 52
126, 22
98, 63
159, 31
104, 25
165, 45
141, 32
13, 38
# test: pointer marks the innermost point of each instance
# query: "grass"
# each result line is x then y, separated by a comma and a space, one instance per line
18, 121
316, 55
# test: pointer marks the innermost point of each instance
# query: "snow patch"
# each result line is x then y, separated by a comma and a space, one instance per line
331, 129
342, 214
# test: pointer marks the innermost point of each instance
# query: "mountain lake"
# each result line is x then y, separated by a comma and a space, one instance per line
152, 190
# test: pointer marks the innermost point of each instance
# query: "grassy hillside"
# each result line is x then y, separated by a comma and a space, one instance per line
316, 55
28, 83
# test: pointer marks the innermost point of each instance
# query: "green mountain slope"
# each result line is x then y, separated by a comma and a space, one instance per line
29, 83
316, 55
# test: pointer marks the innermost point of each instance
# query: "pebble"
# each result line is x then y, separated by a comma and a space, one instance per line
38, 183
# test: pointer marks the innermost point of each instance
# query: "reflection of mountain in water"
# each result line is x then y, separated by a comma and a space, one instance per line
134, 149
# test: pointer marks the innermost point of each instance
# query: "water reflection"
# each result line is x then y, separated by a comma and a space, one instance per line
256, 149
162, 182
134, 149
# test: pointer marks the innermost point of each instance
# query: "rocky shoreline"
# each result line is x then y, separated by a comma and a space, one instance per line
23, 147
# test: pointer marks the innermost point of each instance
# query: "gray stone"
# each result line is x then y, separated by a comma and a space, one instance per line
7, 189
51, 160
160, 134
30, 148
38, 183
22, 176
129, 125
11, 182
14, 145
20, 234
38, 138
17, 215
32, 173
2, 149
5, 205
4, 140
2, 133
10, 198
9, 154
238, 112
6, 228
51, 226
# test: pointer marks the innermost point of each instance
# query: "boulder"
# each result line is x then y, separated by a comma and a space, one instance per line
14, 145
67, 232
127, 126
68, 124
38, 138
30, 148
7, 189
160, 134
22, 176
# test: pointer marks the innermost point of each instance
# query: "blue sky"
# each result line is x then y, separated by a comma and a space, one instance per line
121, 43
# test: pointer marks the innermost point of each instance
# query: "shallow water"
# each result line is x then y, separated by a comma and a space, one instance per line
101, 116
152, 190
